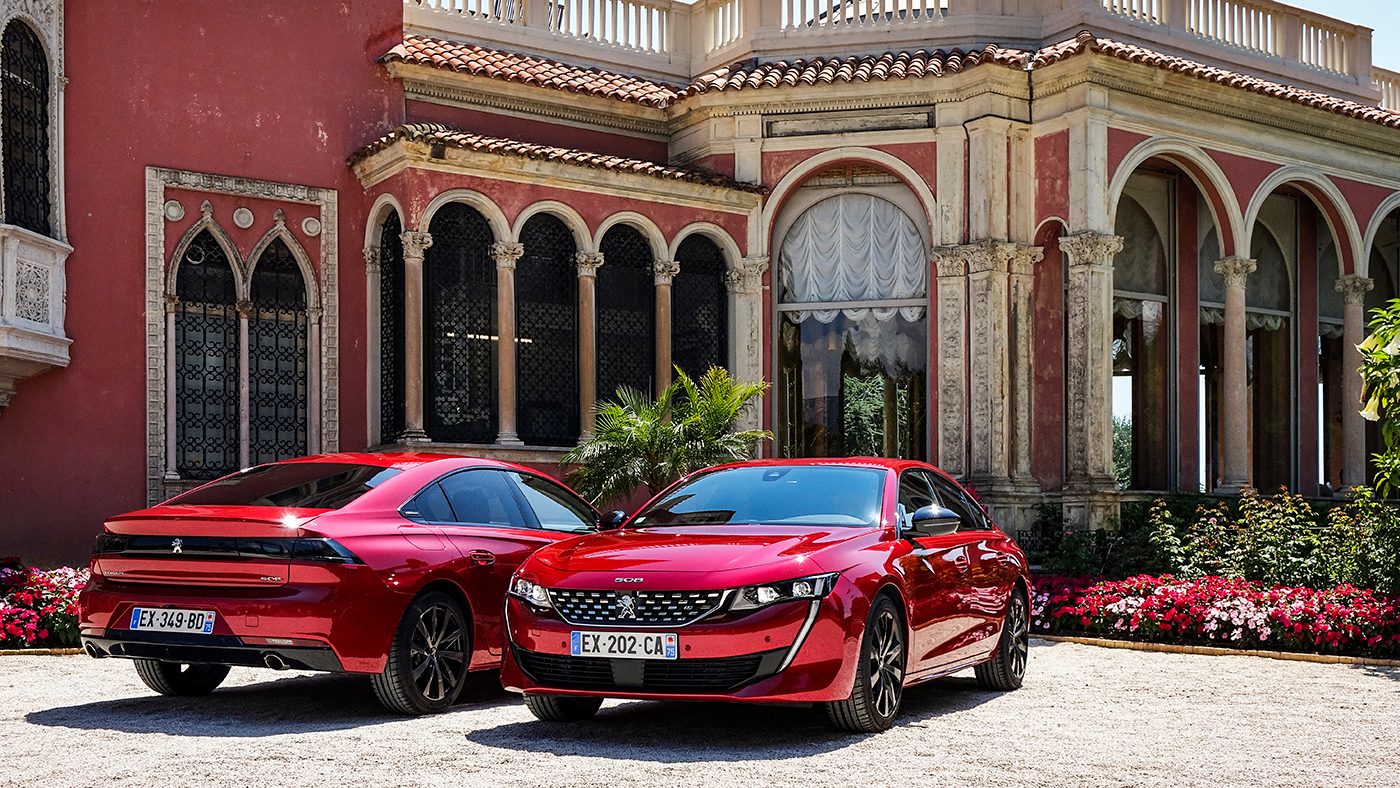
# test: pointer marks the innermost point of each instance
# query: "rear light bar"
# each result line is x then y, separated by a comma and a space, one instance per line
320, 549
323, 549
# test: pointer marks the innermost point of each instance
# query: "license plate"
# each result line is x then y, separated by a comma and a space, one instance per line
169, 619
624, 645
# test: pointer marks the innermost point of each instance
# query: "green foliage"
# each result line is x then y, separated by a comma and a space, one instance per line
642, 442
1123, 451
1361, 545
1380, 373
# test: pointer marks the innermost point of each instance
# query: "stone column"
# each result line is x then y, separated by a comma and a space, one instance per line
415, 245
1235, 375
245, 379
506, 255
950, 265
588, 264
745, 285
1022, 268
1090, 489
1353, 288
988, 458
663, 271
172, 457
374, 346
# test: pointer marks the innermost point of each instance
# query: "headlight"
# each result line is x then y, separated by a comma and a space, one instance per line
533, 594
812, 587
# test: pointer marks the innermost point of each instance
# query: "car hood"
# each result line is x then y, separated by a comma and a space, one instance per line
702, 549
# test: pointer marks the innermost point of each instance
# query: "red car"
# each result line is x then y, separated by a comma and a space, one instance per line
839, 582
390, 565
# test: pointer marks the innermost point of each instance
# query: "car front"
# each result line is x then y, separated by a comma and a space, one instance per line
740, 583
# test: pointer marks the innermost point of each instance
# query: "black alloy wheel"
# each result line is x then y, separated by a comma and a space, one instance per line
1007, 667
879, 685
428, 660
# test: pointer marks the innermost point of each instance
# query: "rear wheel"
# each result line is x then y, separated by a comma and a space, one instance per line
562, 708
175, 678
427, 665
1007, 667
879, 685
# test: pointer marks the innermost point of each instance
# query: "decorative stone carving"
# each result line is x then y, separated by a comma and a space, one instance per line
242, 217
1091, 248
506, 254
1237, 269
588, 263
1354, 288
311, 226
951, 264
663, 271
31, 292
415, 243
747, 277
371, 254
174, 211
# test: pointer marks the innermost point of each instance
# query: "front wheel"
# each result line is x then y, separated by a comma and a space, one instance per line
562, 708
427, 665
879, 685
174, 678
1007, 667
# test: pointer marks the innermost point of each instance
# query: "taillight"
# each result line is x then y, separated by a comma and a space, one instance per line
109, 543
323, 550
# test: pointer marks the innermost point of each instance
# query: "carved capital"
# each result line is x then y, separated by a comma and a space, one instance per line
663, 271
506, 254
748, 277
1024, 258
1235, 270
1354, 288
171, 300
1091, 248
415, 244
951, 261
588, 263
989, 256
244, 308
371, 254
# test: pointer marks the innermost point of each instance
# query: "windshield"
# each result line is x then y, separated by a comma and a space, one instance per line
773, 495
297, 485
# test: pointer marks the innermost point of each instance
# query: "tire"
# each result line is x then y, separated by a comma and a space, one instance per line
178, 679
562, 708
428, 658
1007, 667
879, 685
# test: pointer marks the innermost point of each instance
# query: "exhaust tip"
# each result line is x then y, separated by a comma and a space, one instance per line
275, 661
93, 651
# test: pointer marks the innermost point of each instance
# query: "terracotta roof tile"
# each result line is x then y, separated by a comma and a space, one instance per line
455, 138
511, 67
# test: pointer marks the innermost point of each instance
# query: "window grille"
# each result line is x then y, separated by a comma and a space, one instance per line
546, 297
699, 308
460, 283
626, 299
24, 92
206, 362
391, 353
277, 365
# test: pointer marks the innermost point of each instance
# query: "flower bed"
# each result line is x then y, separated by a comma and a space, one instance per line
38, 608
1220, 611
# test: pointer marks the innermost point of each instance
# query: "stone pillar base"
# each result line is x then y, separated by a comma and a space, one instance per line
1011, 503
509, 439
413, 436
1090, 505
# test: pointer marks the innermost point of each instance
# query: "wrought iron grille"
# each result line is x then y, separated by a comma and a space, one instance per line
546, 306
206, 362
460, 280
277, 367
391, 354
626, 301
24, 83
699, 307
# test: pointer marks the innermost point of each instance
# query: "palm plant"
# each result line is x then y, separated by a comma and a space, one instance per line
640, 442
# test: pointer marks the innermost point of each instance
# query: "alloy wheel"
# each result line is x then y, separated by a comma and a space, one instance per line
886, 663
436, 654
1018, 633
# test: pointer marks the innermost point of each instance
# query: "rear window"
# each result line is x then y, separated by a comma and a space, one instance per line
773, 495
299, 485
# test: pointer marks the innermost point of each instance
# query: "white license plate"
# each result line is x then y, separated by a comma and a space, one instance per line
169, 619
624, 645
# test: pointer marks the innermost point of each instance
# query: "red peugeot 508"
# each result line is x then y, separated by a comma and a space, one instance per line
391, 565
839, 582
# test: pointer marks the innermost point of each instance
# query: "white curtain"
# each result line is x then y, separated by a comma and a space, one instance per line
854, 247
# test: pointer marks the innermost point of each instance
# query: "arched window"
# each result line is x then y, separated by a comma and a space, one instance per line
277, 366
546, 305
460, 284
205, 362
853, 336
1269, 352
24, 93
391, 353
626, 312
699, 307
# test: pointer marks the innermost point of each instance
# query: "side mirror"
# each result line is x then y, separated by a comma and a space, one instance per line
935, 521
611, 520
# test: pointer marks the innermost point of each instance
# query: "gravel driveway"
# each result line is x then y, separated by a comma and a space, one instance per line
1087, 716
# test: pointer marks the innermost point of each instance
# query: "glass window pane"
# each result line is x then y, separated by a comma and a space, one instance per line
959, 501
482, 497
776, 495
429, 506
301, 485
554, 508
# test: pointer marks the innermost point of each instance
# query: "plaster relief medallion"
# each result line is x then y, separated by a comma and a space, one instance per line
174, 211
311, 226
243, 218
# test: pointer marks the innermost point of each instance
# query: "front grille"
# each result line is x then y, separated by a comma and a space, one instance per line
648, 675
645, 608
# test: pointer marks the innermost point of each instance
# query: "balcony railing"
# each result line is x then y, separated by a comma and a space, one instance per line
675, 40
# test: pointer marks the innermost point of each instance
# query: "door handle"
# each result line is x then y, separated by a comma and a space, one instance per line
482, 557
962, 561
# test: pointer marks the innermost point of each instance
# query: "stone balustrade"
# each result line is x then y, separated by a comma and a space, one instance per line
32, 296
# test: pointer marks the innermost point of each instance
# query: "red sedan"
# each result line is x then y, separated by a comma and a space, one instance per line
390, 565
839, 582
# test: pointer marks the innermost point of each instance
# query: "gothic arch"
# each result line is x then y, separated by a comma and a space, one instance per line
308, 273
221, 237
1203, 172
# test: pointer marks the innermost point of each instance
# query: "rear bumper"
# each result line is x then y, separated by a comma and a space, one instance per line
209, 649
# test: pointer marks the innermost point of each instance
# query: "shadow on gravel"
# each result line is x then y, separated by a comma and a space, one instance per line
1380, 671
299, 704
678, 732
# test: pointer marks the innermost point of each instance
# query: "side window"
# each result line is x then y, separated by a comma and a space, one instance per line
914, 492
955, 498
482, 497
429, 505
554, 507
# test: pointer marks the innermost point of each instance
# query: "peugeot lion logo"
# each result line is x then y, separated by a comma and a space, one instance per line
177, 546
626, 607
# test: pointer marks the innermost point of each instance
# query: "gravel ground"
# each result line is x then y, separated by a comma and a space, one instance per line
1086, 716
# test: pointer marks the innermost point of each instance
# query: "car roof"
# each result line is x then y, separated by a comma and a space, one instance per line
393, 459
883, 463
